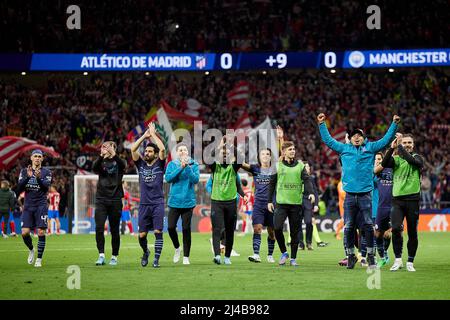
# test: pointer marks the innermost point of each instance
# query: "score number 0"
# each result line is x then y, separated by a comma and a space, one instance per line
329, 59
226, 61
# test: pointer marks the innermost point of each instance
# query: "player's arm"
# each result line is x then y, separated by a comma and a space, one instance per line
239, 187
97, 165
121, 164
309, 189
388, 160
172, 171
159, 143
193, 173
272, 187
378, 169
415, 160
388, 137
45, 181
135, 146
280, 138
333, 144
24, 177
246, 167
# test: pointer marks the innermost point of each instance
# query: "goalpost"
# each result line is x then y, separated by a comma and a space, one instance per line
84, 199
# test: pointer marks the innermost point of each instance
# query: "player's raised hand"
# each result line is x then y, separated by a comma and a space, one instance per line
396, 119
399, 137
270, 207
148, 133
316, 209
29, 171
152, 129
321, 118
394, 144
111, 151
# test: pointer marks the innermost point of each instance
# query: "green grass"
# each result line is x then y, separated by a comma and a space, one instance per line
318, 277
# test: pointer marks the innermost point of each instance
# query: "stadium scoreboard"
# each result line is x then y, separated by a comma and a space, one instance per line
225, 61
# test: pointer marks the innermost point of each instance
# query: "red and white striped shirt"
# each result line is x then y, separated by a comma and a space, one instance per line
251, 199
54, 199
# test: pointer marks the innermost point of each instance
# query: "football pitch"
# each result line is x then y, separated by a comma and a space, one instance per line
317, 277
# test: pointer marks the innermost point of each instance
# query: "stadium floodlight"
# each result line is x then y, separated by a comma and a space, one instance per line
391, 70
24, 73
207, 72
85, 73
333, 71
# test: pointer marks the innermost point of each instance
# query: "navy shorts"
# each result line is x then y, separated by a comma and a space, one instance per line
262, 216
383, 220
151, 217
35, 217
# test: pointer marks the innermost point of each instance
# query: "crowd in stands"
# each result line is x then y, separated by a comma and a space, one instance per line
71, 112
211, 25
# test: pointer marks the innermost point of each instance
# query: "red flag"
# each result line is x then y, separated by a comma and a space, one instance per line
239, 95
11, 148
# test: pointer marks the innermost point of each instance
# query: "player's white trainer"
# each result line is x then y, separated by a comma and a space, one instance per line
31, 256
398, 264
254, 258
186, 260
234, 253
270, 259
38, 263
410, 267
5, 236
176, 256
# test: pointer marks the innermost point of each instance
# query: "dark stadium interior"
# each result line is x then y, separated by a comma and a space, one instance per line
150, 26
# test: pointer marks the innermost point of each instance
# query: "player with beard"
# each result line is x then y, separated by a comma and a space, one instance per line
150, 169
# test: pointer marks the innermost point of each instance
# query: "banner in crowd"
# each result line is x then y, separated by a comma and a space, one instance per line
11, 148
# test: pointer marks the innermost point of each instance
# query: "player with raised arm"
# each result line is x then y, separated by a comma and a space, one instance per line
225, 187
357, 180
108, 199
288, 182
182, 174
406, 167
150, 169
35, 181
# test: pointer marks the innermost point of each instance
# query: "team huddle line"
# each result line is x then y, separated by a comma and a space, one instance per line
377, 197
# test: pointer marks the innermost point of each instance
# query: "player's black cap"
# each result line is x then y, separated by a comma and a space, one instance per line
356, 131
